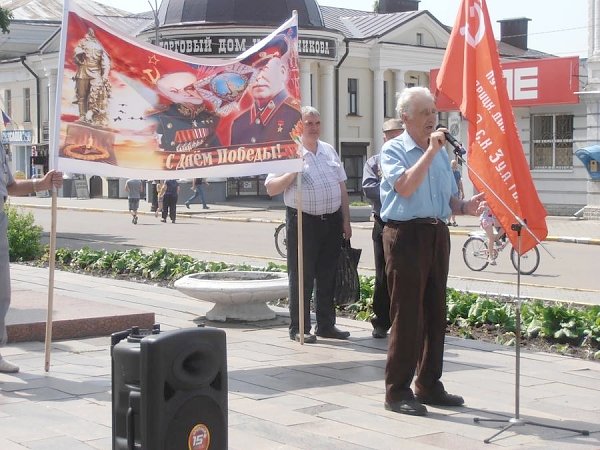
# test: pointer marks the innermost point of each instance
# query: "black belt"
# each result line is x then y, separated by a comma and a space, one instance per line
315, 216
417, 221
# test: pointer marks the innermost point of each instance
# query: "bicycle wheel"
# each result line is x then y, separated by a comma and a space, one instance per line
475, 253
281, 240
529, 260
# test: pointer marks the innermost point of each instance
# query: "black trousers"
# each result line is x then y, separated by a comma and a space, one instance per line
417, 259
381, 295
169, 206
322, 241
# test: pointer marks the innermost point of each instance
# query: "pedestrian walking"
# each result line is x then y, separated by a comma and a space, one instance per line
134, 188
459, 185
161, 187
170, 200
198, 192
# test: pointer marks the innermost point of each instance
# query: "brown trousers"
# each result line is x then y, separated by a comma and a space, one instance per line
416, 258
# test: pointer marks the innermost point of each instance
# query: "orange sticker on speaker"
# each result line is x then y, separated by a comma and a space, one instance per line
199, 438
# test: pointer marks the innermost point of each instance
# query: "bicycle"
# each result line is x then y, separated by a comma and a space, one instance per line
281, 240
475, 253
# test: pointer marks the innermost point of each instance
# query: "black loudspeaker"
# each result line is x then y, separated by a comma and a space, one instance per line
178, 400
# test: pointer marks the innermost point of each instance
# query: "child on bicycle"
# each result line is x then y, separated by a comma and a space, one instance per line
493, 230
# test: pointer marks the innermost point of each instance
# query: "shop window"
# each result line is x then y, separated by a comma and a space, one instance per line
551, 141
353, 96
8, 102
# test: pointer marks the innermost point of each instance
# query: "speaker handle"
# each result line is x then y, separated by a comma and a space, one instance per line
134, 407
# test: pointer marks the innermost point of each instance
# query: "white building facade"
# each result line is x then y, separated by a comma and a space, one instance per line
352, 64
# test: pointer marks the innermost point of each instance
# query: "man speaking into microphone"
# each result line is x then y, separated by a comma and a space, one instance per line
458, 148
417, 190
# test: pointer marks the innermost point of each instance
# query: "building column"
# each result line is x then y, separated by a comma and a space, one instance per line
399, 84
305, 88
592, 101
593, 28
327, 106
378, 110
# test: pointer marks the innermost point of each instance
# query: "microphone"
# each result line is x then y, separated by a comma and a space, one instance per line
458, 148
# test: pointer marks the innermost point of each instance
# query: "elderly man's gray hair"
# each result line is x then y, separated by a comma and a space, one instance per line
310, 111
406, 99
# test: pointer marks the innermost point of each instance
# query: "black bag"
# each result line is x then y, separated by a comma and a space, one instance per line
347, 284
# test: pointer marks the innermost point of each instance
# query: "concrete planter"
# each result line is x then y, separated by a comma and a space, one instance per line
360, 213
237, 295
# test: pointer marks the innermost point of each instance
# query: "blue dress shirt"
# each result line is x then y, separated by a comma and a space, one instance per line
432, 197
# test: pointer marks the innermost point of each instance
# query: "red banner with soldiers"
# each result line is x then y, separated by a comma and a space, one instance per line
128, 108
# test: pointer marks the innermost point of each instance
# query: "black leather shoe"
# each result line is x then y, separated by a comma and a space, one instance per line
441, 399
411, 407
379, 333
333, 333
308, 338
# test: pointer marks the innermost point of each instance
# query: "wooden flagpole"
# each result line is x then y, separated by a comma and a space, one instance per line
300, 257
51, 264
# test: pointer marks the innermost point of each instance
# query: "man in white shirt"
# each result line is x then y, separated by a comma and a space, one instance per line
326, 221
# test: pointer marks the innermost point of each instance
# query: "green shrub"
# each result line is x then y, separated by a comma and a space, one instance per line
24, 236
160, 265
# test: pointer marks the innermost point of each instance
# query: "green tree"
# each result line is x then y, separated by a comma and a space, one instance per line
5, 16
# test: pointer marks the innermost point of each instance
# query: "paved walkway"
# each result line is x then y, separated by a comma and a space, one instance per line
286, 396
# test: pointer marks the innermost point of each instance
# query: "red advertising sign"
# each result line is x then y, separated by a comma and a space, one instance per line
535, 82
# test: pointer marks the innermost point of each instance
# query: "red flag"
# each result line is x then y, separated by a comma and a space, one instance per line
472, 78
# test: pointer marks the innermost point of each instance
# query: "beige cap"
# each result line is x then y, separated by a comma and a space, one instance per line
393, 124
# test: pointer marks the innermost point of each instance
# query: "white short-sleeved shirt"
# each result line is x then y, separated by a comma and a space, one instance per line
321, 177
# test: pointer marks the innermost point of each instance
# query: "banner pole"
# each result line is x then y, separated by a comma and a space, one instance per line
300, 258
51, 264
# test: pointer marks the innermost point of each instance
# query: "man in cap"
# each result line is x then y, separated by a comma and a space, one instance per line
186, 124
273, 113
371, 179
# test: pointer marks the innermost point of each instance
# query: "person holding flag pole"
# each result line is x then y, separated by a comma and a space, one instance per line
10, 186
323, 211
